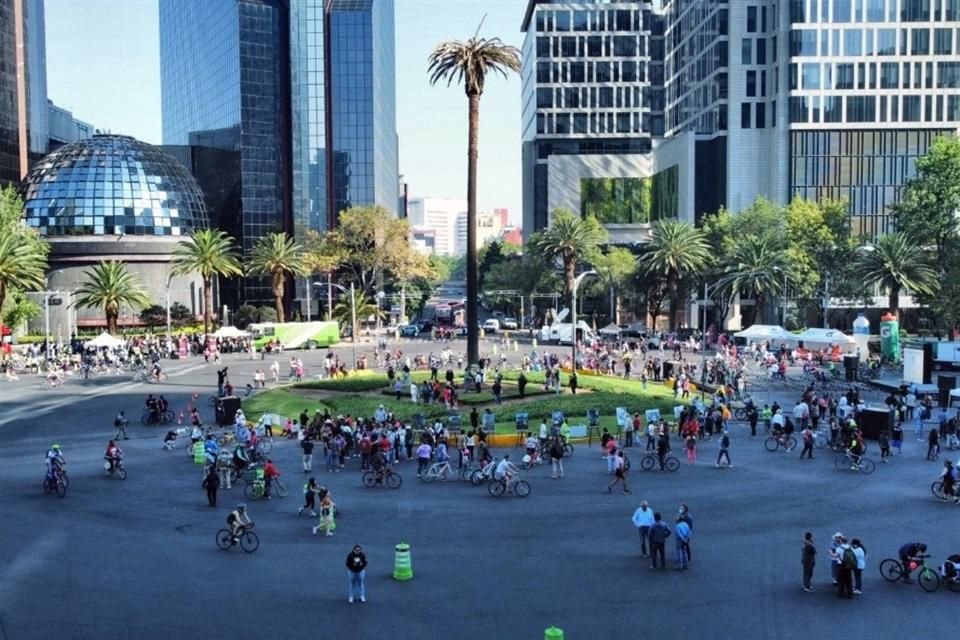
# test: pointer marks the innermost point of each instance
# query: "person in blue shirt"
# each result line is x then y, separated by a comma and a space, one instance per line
682, 532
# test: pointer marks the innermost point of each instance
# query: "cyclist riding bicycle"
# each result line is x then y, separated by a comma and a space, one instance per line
156, 371
240, 458
948, 477
856, 449
112, 455
379, 463
239, 520
55, 461
505, 471
910, 557
153, 407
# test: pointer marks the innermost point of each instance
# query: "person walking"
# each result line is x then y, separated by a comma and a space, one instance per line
753, 416
619, 473
883, 440
861, 553
835, 555
120, 423
556, 458
806, 436
326, 522
933, 445
808, 559
211, 483
848, 563
683, 533
357, 570
643, 520
724, 449
690, 444
659, 533
307, 447
310, 491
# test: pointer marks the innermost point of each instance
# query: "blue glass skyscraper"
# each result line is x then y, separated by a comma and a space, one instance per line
302, 90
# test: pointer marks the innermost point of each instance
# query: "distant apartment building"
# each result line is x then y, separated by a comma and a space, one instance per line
64, 128
434, 224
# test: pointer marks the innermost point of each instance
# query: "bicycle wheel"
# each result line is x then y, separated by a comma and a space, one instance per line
953, 585
167, 417
253, 491
841, 462
522, 488
648, 462
867, 466
61, 488
430, 475
928, 579
790, 443
476, 477
265, 446
224, 539
567, 450
394, 480
937, 489
122, 473
672, 464
771, 444
820, 441
145, 419
249, 541
496, 488
47, 486
369, 479
740, 414
891, 570
162, 377
282, 489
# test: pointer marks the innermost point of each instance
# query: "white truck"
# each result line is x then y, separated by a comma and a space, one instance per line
946, 355
562, 333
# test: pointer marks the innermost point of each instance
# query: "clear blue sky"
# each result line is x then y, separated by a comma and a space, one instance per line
103, 63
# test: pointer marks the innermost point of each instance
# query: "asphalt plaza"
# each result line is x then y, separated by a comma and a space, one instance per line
139, 555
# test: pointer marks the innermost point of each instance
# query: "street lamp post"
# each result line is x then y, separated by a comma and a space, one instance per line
309, 310
573, 315
353, 313
169, 278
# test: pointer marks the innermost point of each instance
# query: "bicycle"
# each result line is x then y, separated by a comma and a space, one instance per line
116, 469
150, 418
479, 476
52, 381
249, 541
788, 443
257, 490
544, 450
650, 461
847, 460
937, 489
387, 477
58, 482
442, 470
264, 446
892, 571
498, 487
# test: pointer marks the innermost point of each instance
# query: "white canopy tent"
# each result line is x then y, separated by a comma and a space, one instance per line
104, 341
229, 332
817, 338
762, 332
610, 330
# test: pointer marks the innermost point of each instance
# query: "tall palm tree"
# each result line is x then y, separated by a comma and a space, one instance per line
277, 255
343, 311
468, 63
677, 250
109, 285
568, 240
22, 264
758, 267
895, 262
208, 252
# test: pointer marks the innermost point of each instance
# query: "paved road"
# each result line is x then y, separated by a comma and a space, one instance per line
139, 556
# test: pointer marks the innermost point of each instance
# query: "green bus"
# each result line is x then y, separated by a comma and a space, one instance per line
295, 335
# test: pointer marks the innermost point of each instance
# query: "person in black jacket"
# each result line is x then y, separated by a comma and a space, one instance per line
808, 558
211, 483
356, 568
658, 535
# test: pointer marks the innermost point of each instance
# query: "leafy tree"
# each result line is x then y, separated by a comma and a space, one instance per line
23, 253
568, 240
757, 267
245, 315
615, 269
930, 200
18, 309
469, 63
153, 316
180, 316
109, 285
528, 274
677, 251
343, 311
210, 253
266, 314
278, 256
896, 262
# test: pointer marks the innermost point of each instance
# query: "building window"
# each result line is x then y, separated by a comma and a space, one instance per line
751, 84
811, 75
852, 44
761, 51
798, 109
751, 19
761, 115
861, 108
803, 42
943, 41
875, 10
580, 20
914, 10
798, 10
911, 108
625, 46
563, 21
841, 10
594, 46
745, 115
746, 51
948, 75
920, 44
844, 76
544, 98
833, 109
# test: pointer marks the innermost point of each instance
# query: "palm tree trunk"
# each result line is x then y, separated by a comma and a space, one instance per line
674, 289
111, 322
3, 294
758, 309
473, 320
894, 301
278, 296
207, 303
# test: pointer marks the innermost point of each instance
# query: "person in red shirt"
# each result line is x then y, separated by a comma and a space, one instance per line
269, 473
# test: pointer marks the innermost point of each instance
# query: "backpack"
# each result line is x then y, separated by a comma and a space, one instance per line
849, 559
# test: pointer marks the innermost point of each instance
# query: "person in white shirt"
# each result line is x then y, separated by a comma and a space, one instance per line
543, 430
643, 520
861, 554
801, 414
777, 421
505, 471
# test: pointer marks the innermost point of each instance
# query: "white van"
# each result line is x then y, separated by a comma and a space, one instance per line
492, 325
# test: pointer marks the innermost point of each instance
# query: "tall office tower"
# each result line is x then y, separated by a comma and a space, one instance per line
23, 88
592, 100
814, 98
301, 91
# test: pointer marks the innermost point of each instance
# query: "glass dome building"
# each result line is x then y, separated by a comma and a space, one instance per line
112, 185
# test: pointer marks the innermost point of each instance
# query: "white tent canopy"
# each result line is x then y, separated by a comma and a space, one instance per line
229, 332
823, 337
104, 341
610, 330
761, 332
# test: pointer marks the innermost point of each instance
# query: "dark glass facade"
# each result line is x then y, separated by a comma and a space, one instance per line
9, 118
112, 185
306, 87
866, 168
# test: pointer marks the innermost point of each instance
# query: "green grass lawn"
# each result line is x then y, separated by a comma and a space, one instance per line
356, 398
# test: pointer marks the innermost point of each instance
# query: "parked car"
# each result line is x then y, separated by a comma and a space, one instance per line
425, 326
492, 325
410, 330
509, 324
